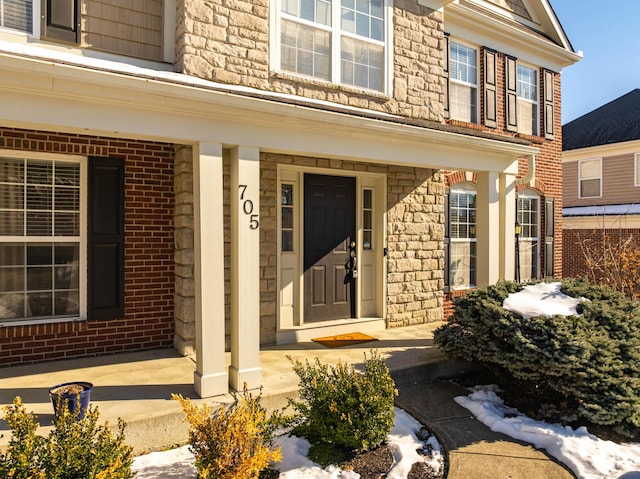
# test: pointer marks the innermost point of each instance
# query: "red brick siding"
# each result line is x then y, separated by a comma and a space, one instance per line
149, 255
573, 256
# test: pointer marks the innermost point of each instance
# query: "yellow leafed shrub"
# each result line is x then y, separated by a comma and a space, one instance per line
233, 442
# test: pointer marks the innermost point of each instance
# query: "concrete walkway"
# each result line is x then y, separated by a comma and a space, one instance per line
137, 387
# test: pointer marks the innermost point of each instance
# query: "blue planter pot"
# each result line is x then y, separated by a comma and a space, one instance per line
76, 394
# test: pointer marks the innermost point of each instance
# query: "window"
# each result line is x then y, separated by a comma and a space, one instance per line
590, 178
17, 15
528, 246
527, 91
286, 212
463, 78
342, 41
60, 18
41, 260
637, 169
367, 219
462, 239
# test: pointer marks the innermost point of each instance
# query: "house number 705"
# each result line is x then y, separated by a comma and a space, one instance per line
247, 209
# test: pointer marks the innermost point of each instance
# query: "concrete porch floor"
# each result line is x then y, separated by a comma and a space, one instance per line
137, 387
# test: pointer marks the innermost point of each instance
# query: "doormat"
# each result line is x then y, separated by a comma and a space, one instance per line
340, 340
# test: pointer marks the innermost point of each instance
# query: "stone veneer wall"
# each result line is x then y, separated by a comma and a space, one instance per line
415, 241
228, 41
184, 300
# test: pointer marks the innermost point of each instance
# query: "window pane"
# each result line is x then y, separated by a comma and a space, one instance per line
362, 64
11, 279
305, 50
287, 240
367, 199
11, 254
12, 305
11, 170
527, 83
12, 223
39, 278
39, 304
590, 169
287, 217
39, 223
589, 188
67, 303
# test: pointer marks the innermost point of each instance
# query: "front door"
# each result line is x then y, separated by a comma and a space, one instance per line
329, 230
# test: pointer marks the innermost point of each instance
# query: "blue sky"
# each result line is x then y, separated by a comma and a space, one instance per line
608, 35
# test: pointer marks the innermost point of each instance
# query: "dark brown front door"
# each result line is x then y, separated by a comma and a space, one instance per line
329, 228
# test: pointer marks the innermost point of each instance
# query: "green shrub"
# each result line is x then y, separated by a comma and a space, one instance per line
75, 449
342, 407
234, 442
585, 366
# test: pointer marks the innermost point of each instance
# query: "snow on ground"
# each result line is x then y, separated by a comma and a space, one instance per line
178, 463
586, 455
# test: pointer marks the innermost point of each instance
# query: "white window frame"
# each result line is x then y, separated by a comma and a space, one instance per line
475, 85
35, 21
581, 178
470, 240
535, 102
636, 169
530, 239
276, 17
83, 263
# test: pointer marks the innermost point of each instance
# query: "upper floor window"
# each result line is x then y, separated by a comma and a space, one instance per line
463, 78
590, 178
341, 41
17, 15
527, 100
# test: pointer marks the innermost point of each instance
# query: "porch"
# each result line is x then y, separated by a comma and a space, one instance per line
137, 386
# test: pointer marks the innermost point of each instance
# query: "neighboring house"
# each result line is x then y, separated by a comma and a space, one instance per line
601, 175
221, 175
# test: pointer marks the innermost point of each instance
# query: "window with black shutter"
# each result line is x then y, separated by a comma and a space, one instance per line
106, 239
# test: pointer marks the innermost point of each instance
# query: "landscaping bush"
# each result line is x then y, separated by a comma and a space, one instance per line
342, 407
585, 366
75, 449
234, 442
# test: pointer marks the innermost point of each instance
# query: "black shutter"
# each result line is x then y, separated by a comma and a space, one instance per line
549, 236
511, 93
490, 98
446, 242
447, 56
61, 20
549, 131
106, 238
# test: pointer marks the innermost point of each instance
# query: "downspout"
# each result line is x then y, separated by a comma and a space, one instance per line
531, 172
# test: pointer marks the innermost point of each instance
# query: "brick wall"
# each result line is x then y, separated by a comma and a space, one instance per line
149, 255
594, 240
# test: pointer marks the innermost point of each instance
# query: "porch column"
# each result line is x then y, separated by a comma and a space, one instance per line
211, 376
507, 226
245, 268
488, 228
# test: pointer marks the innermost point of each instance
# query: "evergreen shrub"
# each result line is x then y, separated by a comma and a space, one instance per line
342, 407
584, 367
74, 449
233, 442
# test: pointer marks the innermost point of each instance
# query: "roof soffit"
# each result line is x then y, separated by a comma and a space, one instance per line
540, 40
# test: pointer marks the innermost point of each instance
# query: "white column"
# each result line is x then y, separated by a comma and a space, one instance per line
507, 226
210, 378
245, 268
488, 228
